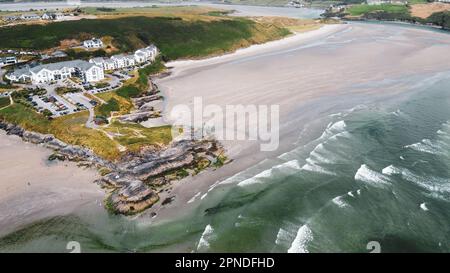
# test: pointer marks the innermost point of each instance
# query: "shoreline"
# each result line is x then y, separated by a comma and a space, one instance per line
324, 30
405, 23
34, 189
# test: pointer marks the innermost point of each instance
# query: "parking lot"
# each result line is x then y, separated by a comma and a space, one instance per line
69, 103
57, 106
79, 100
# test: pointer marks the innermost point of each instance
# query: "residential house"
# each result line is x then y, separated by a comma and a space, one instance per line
59, 54
93, 43
149, 53
58, 16
45, 73
31, 16
122, 60
7, 60
47, 16
106, 63
10, 18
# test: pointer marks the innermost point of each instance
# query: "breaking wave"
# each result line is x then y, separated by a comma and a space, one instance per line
390, 170
340, 202
376, 179
301, 241
204, 241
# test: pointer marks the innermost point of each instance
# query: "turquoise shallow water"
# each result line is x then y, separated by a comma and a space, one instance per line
376, 172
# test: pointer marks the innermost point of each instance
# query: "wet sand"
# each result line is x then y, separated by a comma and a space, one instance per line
310, 76
31, 188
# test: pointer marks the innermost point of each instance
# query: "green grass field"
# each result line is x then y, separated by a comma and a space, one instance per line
358, 10
4, 101
175, 37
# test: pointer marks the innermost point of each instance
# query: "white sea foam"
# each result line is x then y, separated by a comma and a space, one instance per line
256, 179
203, 196
301, 241
358, 192
207, 235
292, 164
318, 156
286, 168
426, 146
376, 179
431, 183
340, 202
194, 197
283, 236
398, 113
390, 170
351, 194
316, 169
424, 207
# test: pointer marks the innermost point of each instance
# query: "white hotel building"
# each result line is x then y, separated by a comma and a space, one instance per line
45, 73
120, 61
91, 71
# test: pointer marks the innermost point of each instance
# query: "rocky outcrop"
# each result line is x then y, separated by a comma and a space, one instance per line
138, 102
128, 195
151, 164
139, 116
135, 177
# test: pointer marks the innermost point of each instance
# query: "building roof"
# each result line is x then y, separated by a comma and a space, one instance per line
30, 15
7, 58
98, 60
93, 40
22, 71
83, 65
118, 56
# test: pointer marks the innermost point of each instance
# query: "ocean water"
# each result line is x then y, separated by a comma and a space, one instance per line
375, 172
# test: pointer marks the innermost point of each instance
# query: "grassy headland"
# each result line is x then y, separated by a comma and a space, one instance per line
174, 36
417, 11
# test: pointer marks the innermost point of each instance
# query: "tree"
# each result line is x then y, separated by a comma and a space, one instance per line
47, 113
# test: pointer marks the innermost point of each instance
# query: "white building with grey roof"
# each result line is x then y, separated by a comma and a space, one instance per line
143, 55
93, 43
45, 73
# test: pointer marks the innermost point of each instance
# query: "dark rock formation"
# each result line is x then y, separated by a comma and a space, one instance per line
138, 102
134, 177
137, 117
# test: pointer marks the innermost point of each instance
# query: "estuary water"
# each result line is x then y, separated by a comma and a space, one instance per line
240, 10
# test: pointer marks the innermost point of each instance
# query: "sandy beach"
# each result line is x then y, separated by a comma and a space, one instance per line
31, 188
309, 75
